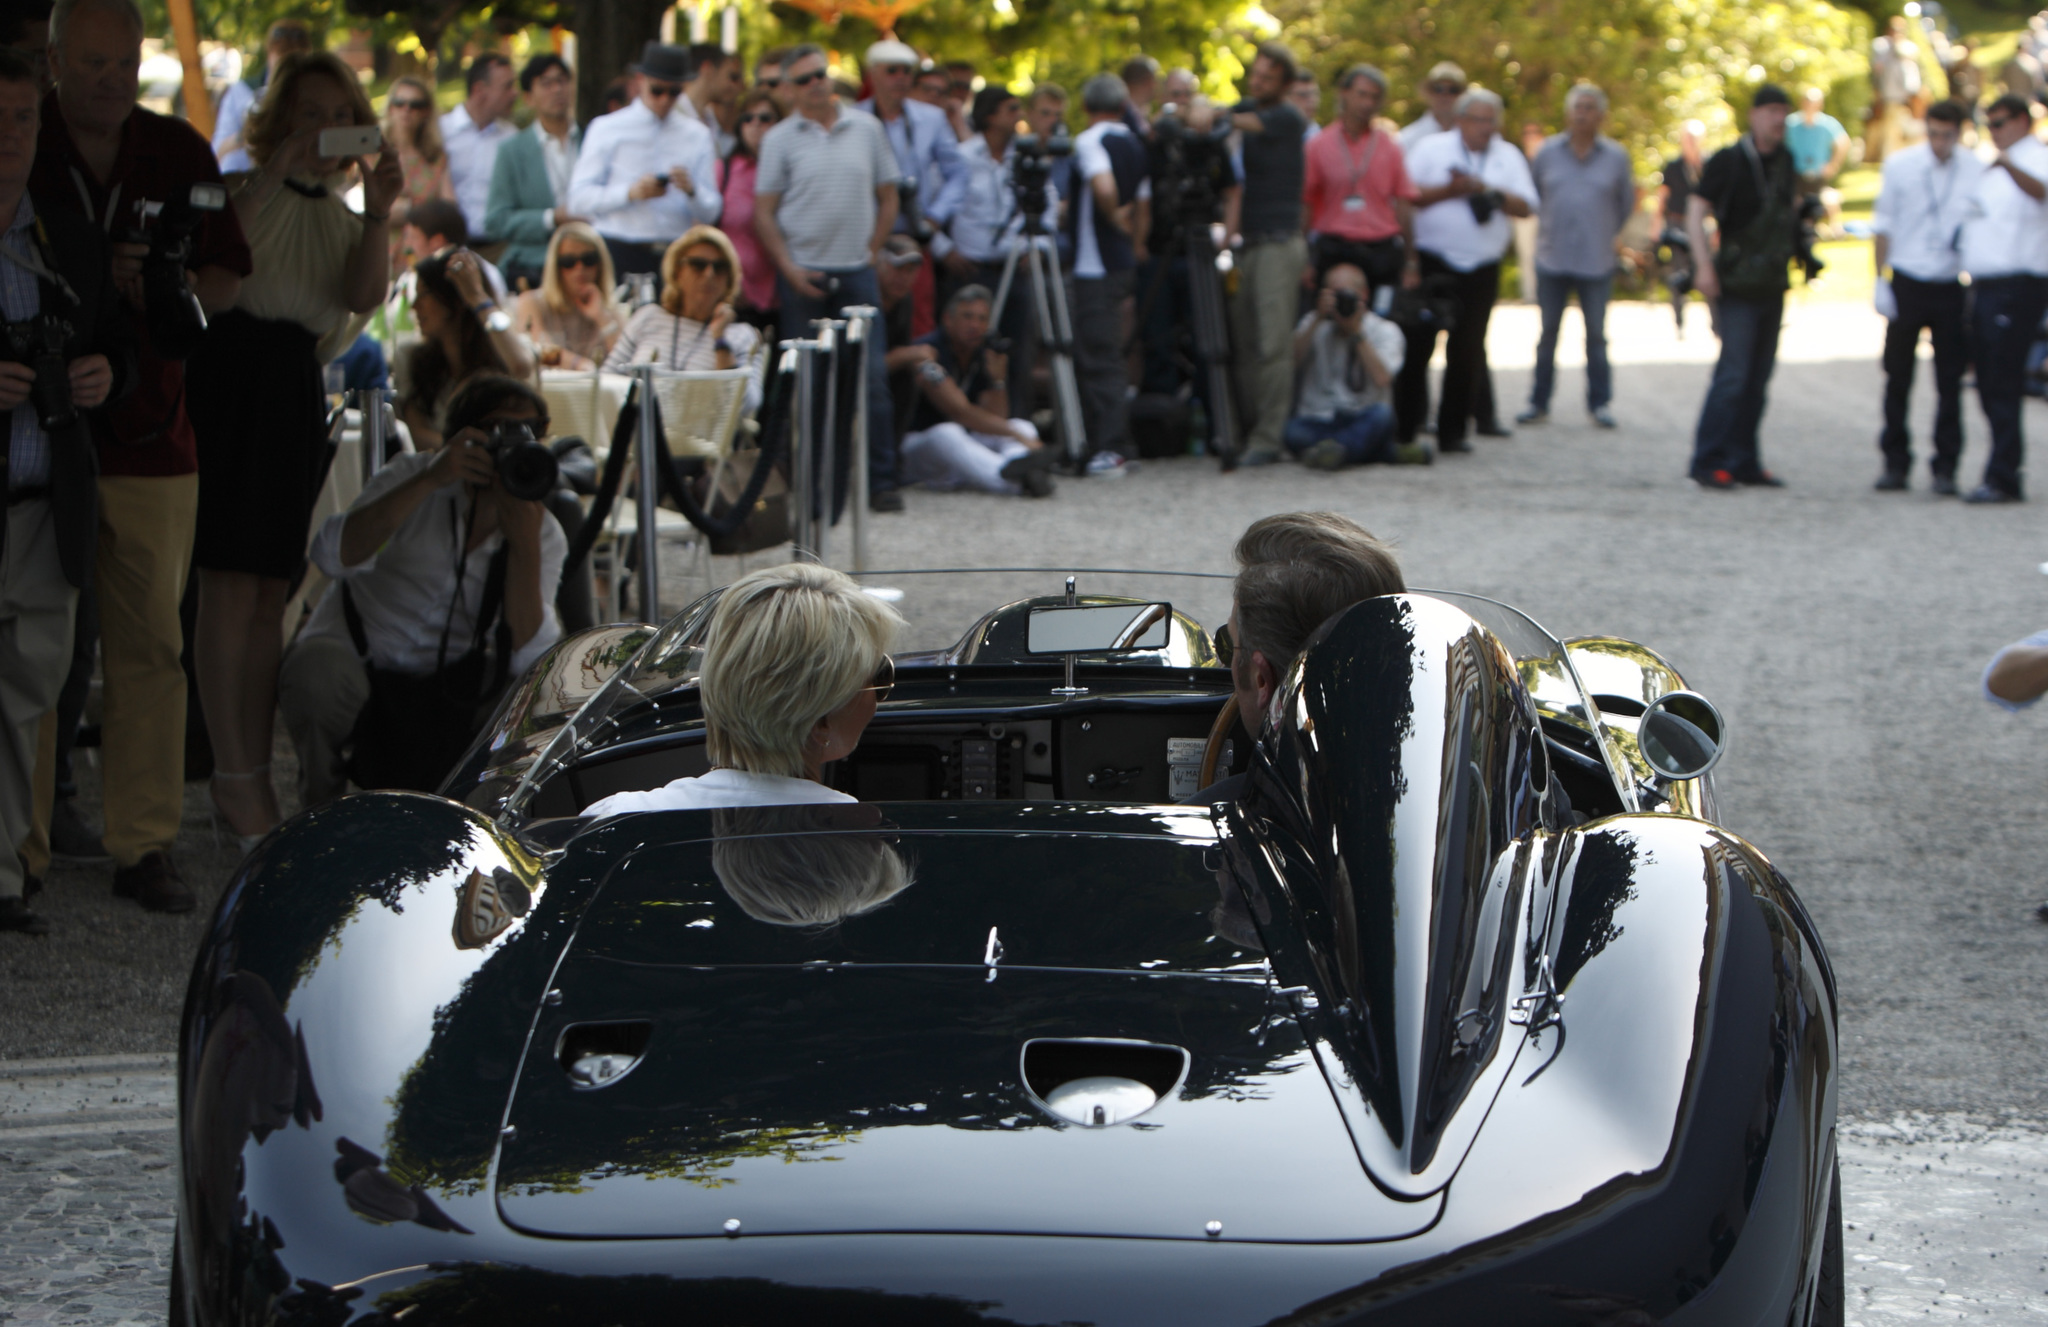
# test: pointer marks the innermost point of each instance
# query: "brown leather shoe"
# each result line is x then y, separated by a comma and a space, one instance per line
154, 883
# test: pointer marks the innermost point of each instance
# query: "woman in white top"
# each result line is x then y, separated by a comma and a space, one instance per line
797, 660
258, 404
692, 328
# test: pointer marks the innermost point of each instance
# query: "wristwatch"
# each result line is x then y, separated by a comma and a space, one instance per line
497, 320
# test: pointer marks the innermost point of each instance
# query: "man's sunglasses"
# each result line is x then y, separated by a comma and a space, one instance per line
718, 265
588, 258
805, 80
1444, 89
2001, 122
409, 104
896, 71
1226, 645
664, 89
884, 680
768, 83
758, 117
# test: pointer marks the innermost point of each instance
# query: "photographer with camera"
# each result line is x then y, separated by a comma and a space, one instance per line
1263, 220
1752, 191
958, 432
65, 352
1348, 356
1468, 183
972, 250
401, 662
149, 184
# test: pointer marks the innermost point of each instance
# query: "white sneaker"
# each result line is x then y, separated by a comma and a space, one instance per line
1108, 465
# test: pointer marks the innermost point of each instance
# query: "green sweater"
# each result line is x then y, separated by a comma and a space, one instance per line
521, 198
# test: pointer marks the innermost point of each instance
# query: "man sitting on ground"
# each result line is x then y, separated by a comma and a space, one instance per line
409, 629
960, 431
1347, 357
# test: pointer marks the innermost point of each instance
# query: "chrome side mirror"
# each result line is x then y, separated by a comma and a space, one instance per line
1681, 735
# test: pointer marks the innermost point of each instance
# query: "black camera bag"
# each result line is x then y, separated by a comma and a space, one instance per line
413, 729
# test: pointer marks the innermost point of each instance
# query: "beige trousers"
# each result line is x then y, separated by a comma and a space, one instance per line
36, 608
1268, 304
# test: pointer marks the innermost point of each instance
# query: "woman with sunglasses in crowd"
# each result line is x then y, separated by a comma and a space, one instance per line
413, 131
758, 114
571, 320
694, 328
797, 661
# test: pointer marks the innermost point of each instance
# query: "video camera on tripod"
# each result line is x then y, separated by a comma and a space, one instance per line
174, 317
1031, 172
1031, 176
1191, 161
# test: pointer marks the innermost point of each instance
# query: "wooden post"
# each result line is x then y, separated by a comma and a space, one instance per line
198, 102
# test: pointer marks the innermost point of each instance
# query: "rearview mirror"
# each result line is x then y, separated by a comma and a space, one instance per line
1680, 735
1098, 628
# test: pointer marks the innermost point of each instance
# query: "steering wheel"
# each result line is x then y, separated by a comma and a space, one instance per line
1219, 734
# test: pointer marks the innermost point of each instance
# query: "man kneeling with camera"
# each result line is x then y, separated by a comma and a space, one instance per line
1347, 356
447, 568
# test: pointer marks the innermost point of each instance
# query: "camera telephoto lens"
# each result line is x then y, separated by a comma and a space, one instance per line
526, 470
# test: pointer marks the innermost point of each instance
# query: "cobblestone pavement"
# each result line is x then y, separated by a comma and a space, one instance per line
1841, 630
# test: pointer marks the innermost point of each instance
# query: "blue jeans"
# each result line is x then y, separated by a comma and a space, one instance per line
1553, 291
2004, 313
1367, 435
855, 287
1726, 437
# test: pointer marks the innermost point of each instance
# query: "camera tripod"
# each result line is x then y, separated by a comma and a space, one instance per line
1209, 330
1055, 330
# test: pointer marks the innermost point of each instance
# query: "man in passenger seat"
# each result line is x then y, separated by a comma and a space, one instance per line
1295, 571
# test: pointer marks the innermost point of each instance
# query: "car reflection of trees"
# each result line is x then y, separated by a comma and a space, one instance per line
496, 1296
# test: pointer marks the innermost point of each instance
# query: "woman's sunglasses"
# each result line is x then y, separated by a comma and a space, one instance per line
588, 258
718, 265
884, 680
411, 105
758, 117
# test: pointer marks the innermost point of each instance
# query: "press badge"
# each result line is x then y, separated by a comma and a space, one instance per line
1354, 204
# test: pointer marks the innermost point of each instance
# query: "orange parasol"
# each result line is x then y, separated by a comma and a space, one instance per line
882, 13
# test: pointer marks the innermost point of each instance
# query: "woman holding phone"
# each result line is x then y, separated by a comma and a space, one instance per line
258, 402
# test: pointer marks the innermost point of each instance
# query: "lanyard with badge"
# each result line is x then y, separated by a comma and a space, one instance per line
1354, 198
1936, 205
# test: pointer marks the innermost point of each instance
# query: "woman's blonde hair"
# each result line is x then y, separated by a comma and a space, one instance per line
426, 140
788, 646
271, 123
551, 269
774, 864
672, 263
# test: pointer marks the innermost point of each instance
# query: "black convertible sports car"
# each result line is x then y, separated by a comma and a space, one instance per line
1459, 1009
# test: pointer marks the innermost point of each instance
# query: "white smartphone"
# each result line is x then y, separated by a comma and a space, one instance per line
355, 140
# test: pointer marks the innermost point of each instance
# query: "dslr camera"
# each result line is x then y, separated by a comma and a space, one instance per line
39, 343
906, 207
1484, 205
526, 470
1347, 304
170, 308
1031, 169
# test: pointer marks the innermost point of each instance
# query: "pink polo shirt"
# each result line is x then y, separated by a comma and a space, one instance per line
1370, 170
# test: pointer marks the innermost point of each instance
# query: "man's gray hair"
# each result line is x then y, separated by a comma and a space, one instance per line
1480, 97
797, 53
969, 294
1369, 73
1580, 91
1104, 93
60, 16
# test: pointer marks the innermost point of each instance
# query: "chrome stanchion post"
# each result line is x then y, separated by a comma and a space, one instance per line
828, 342
649, 499
861, 330
800, 448
370, 409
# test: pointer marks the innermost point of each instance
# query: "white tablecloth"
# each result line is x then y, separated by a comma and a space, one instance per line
585, 404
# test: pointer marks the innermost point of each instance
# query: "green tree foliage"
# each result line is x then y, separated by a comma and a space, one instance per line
1661, 62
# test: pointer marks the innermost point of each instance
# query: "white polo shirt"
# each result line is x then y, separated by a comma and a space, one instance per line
1921, 209
2006, 233
1448, 228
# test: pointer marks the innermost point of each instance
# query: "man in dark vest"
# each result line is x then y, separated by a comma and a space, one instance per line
64, 353
1110, 206
1751, 189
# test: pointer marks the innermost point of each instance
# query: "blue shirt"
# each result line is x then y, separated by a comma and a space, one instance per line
1813, 145
21, 296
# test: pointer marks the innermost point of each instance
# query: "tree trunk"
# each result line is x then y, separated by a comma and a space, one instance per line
609, 35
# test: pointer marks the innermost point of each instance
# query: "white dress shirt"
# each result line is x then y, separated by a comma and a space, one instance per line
1447, 228
1921, 209
558, 157
716, 788
2005, 233
472, 155
1416, 130
404, 589
624, 147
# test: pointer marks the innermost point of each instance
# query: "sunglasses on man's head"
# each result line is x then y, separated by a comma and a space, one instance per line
588, 258
701, 265
408, 104
805, 80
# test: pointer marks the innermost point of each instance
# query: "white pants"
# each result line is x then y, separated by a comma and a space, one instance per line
947, 456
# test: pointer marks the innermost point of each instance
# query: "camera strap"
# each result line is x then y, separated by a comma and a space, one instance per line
106, 222
40, 264
1359, 170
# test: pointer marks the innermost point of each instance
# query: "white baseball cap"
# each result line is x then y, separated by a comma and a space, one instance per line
890, 53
